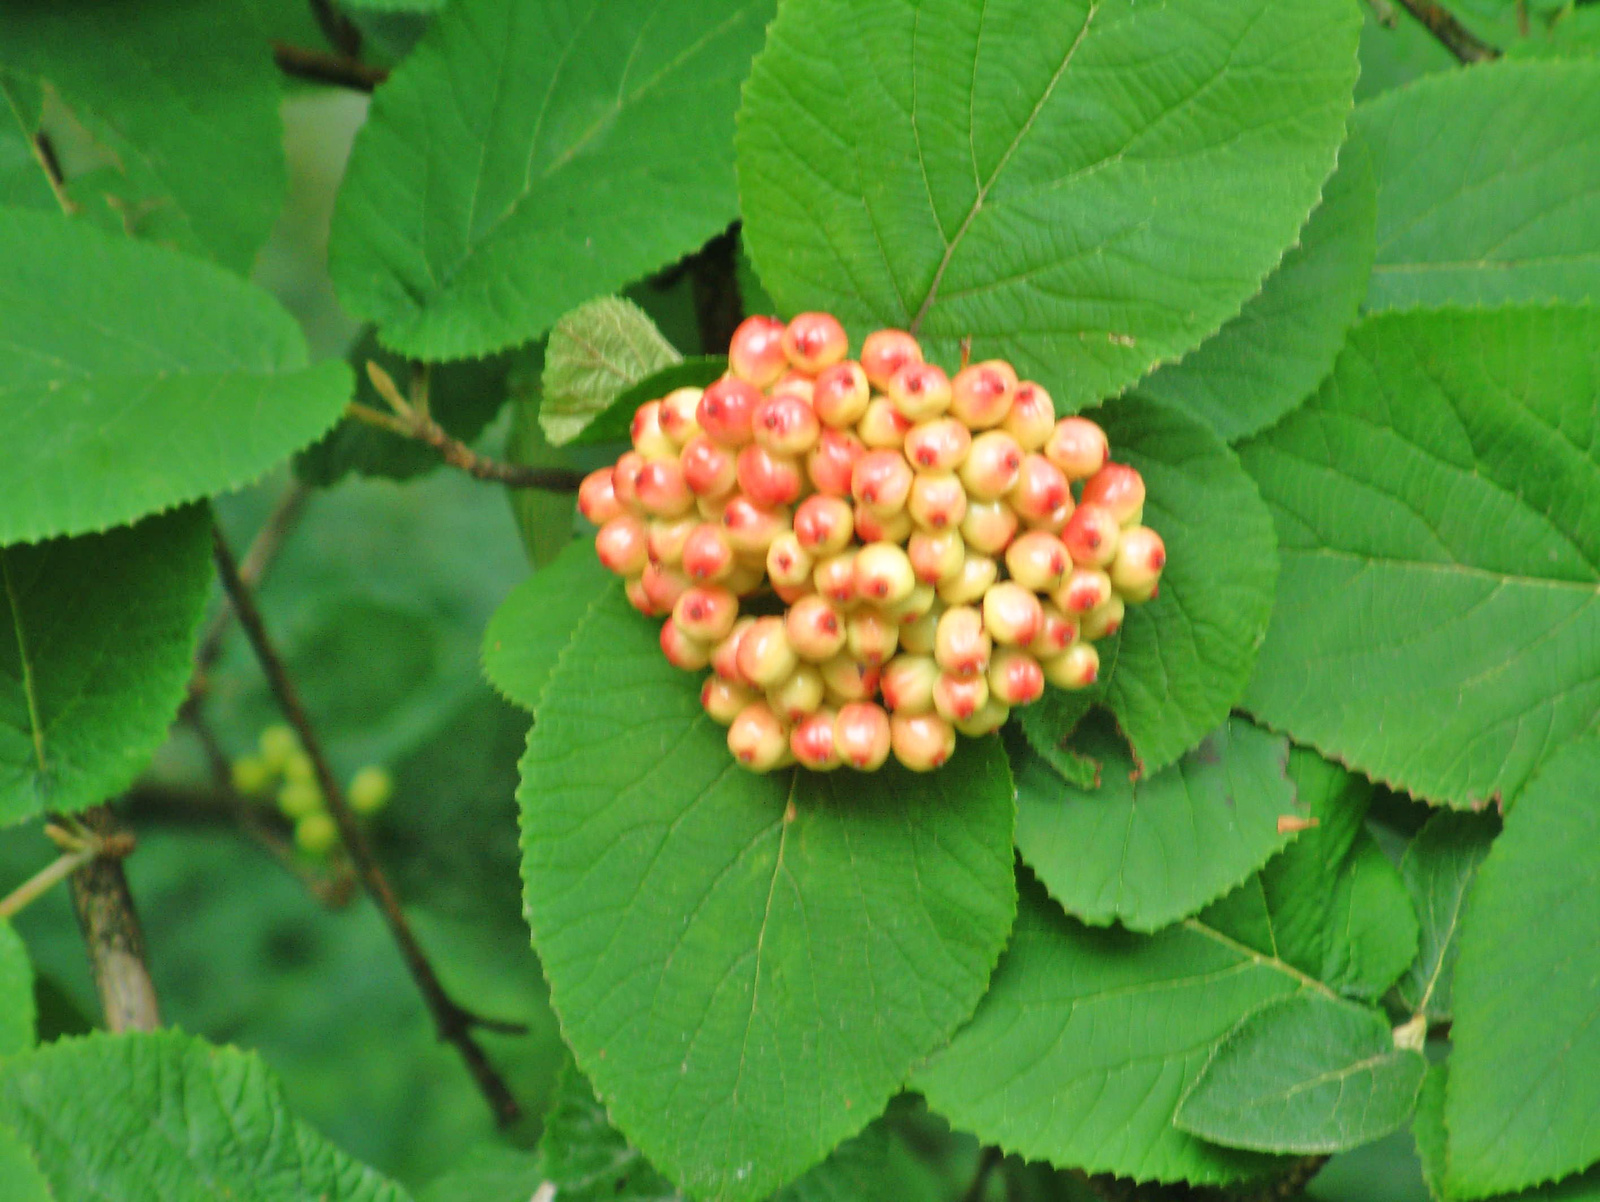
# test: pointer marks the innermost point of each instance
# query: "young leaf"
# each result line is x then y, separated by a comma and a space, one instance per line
1525, 1069
95, 657
746, 966
136, 379
1438, 510
181, 101
1040, 176
1439, 867
538, 622
1284, 341
16, 995
1146, 852
596, 353
1307, 1075
526, 158
1488, 186
156, 1117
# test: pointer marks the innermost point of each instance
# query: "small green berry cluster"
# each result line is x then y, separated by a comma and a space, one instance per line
942, 544
280, 768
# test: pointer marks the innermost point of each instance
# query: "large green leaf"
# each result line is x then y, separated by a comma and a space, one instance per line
133, 379
24, 1181
1085, 187
1284, 342
1307, 1075
22, 179
525, 158
1146, 852
162, 1117
596, 353
95, 657
1488, 186
1439, 867
181, 100
745, 966
16, 993
1438, 510
1525, 1071
538, 622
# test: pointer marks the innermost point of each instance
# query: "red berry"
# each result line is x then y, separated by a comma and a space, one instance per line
840, 395
832, 460
769, 480
758, 739
682, 649
921, 742
939, 445
798, 696
814, 341
849, 679
886, 352
1078, 447
597, 498
823, 525
1091, 536
992, 466
981, 394
765, 655
751, 528
961, 644
861, 735
1085, 589
727, 409
938, 501
1038, 560
883, 574
663, 586
623, 545
706, 612
1032, 418
1136, 570
707, 554
638, 598
989, 526
1015, 677
835, 578
678, 409
756, 352
1076, 668
624, 476
1104, 619
785, 425
1057, 632
908, 682
969, 584
871, 636
919, 392
811, 741
1120, 489
708, 469
936, 557
649, 439
1012, 615
723, 699
957, 698
816, 630
881, 481
1041, 489
883, 426
662, 489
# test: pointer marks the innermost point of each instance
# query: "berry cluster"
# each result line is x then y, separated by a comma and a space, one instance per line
281, 768
920, 529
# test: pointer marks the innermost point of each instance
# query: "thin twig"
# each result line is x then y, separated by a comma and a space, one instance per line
1384, 11
988, 1162
111, 930
321, 66
45, 879
453, 1021
1451, 33
410, 422
340, 30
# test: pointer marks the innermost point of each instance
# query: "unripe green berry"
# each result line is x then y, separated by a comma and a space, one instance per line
316, 834
835, 578
251, 775
989, 526
940, 445
724, 700
801, 694
623, 545
1038, 560
816, 630
276, 744
990, 718
961, 644
1011, 614
840, 395
993, 465
938, 557
370, 789
298, 767
814, 341
682, 649
1136, 570
1091, 536
957, 698
1076, 668
811, 741
907, 683
861, 735
921, 742
1032, 418
788, 563
765, 654
919, 392
882, 426
885, 352
758, 739
1078, 447
1015, 677
823, 525
1104, 619
297, 798
706, 613
871, 636
967, 587
938, 501
883, 574
1085, 589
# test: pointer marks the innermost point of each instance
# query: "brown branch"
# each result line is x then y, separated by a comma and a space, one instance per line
1451, 33
341, 32
454, 1022
111, 930
321, 66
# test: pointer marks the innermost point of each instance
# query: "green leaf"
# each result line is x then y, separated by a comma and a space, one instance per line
597, 352
95, 659
488, 1173
16, 994
526, 158
878, 1164
585, 1157
1150, 851
614, 424
1439, 867
1525, 1069
1307, 1075
1438, 513
1040, 176
544, 519
23, 182
1273, 355
181, 102
160, 1117
1182, 661
544, 617
136, 379
24, 1181
1048, 725
1488, 186
746, 966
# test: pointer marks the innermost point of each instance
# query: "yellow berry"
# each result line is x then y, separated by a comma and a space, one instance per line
316, 834
277, 744
252, 775
298, 798
370, 789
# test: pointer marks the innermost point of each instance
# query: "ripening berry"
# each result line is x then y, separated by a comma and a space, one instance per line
882, 426
882, 481
663, 586
708, 469
1118, 488
633, 587
966, 587
795, 383
765, 655
1032, 418
624, 475
662, 490
981, 394
785, 425
1091, 536
1038, 560
725, 655
1078, 447
788, 563
830, 462
649, 439
678, 409
961, 644
835, 578
861, 735
940, 445
758, 739
956, 698
756, 351
1015, 677
664, 540
799, 695
682, 649
727, 410
1041, 489
768, 479
823, 525
711, 509
916, 603
706, 612
1011, 614
723, 699
886, 352
936, 558
750, 529
597, 498
1077, 668
1104, 619
922, 742
987, 720
814, 341
623, 545
919, 392
916, 636
1085, 589
937, 501
811, 741
907, 683
707, 555
876, 528
370, 789
316, 834
883, 574
1057, 632
1136, 570
747, 577
989, 526
815, 628
871, 636
993, 465
840, 395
